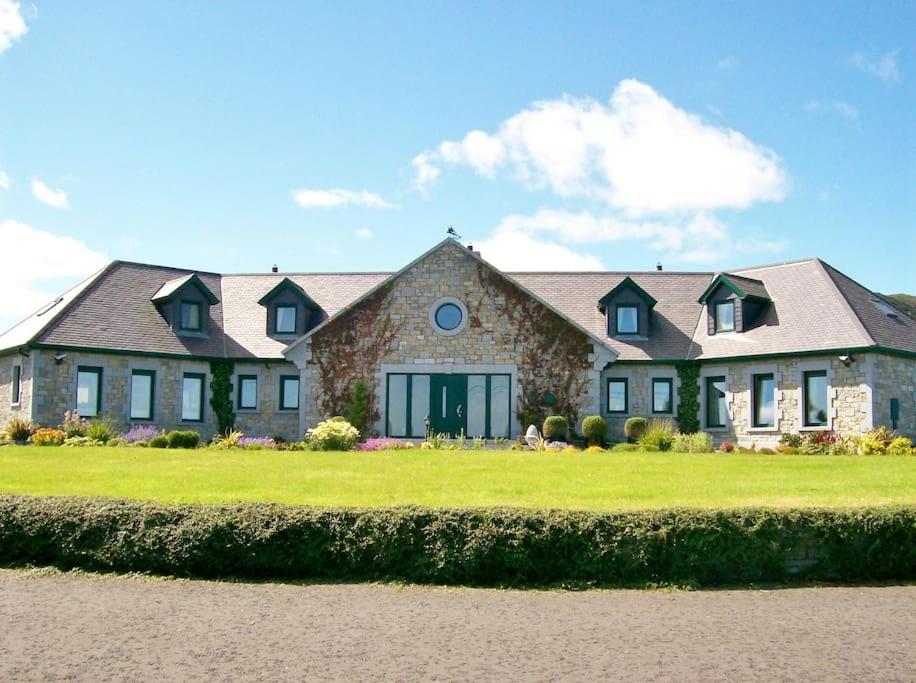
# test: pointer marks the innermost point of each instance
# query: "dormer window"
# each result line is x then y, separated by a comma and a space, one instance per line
725, 316
286, 319
627, 319
190, 316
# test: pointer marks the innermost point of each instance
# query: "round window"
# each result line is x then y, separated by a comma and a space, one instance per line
449, 317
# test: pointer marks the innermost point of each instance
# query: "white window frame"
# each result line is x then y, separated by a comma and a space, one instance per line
716, 371
816, 366
18, 402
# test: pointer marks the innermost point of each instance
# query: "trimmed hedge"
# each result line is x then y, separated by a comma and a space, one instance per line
486, 546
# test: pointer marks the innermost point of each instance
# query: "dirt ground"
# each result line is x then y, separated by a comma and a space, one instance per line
83, 627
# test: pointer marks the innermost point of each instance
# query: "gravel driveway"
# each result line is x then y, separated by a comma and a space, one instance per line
84, 627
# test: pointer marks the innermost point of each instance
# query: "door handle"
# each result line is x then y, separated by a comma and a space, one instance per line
459, 410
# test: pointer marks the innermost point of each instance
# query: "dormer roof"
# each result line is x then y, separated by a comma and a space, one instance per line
168, 291
284, 285
743, 287
626, 283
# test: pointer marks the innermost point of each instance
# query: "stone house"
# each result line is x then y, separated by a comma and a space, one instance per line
451, 344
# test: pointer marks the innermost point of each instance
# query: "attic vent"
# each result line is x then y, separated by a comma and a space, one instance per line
50, 305
884, 308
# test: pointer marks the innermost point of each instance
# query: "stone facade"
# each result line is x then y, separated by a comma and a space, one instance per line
639, 393
9, 409
895, 378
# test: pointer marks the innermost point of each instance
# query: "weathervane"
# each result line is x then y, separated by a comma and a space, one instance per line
451, 232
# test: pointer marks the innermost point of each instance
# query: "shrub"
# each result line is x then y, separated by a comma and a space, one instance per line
257, 443
660, 435
19, 429
159, 441
788, 450
230, 439
595, 449
73, 424
899, 446
698, 442
48, 436
80, 442
555, 428
101, 429
635, 427
183, 439
875, 441
372, 445
483, 546
594, 429
356, 408
820, 443
726, 447
139, 434
625, 447
767, 451
335, 434
791, 440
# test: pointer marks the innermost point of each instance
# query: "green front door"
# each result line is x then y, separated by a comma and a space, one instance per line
448, 397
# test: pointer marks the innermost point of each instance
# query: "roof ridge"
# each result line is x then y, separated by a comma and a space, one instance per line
775, 264
187, 271
826, 269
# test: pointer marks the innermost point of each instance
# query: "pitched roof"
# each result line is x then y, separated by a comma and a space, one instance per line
168, 290
743, 287
815, 307
626, 283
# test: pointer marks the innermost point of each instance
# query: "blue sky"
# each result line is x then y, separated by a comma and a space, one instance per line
333, 136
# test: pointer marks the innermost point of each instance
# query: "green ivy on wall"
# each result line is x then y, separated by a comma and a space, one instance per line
688, 407
221, 394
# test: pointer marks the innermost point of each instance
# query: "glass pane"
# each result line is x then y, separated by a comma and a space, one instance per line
499, 406
815, 399
190, 316
87, 394
627, 320
661, 396
715, 402
448, 316
249, 393
191, 392
286, 318
725, 317
290, 393
617, 396
477, 405
17, 383
419, 405
397, 405
141, 387
763, 400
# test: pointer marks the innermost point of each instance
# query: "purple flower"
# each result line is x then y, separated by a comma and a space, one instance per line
380, 445
262, 441
139, 433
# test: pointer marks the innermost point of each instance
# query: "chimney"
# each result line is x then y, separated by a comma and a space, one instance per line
274, 269
470, 247
658, 266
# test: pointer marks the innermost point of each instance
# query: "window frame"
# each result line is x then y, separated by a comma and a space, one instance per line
200, 316
283, 380
806, 374
96, 370
203, 392
756, 378
709, 382
295, 310
670, 382
715, 315
626, 395
617, 310
16, 385
239, 393
152, 395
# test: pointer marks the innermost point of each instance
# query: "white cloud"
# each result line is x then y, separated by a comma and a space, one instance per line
508, 250
639, 153
364, 234
884, 67
4, 181
729, 63
844, 109
327, 199
49, 196
12, 24
43, 259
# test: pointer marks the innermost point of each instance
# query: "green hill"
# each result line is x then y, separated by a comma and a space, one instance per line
905, 301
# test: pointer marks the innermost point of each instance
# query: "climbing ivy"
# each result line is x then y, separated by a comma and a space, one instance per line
688, 408
221, 394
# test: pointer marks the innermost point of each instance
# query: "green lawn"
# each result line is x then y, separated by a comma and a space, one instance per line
599, 481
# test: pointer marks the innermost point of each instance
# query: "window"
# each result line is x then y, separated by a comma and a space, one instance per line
289, 392
16, 385
190, 316
662, 395
628, 319
448, 316
764, 388
192, 397
716, 409
142, 383
286, 320
814, 387
725, 316
88, 391
617, 395
247, 392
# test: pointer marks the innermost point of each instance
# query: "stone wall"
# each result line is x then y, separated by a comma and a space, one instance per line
639, 389
24, 407
895, 377
505, 331
55, 392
